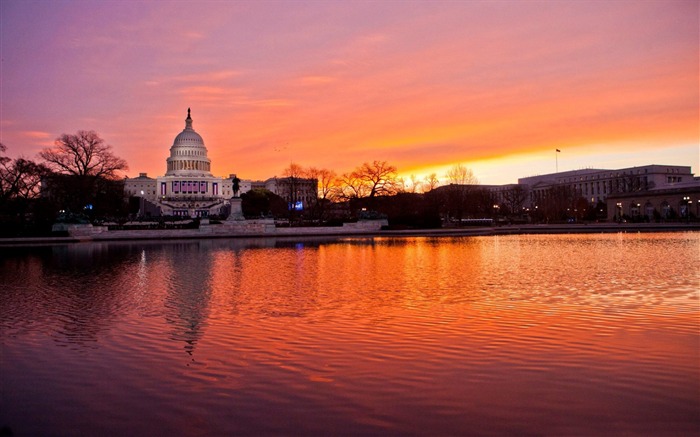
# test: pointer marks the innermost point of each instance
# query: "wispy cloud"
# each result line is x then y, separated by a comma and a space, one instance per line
266, 103
38, 135
205, 76
419, 83
316, 80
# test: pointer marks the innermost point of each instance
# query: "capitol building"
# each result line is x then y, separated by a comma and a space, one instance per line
188, 187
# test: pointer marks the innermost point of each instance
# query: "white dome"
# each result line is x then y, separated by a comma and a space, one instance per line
188, 137
188, 155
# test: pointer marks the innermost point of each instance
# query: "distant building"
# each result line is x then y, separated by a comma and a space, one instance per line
595, 185
681, 201
650, 192
300, 193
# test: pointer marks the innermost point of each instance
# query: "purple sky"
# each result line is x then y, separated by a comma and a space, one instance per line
496, 86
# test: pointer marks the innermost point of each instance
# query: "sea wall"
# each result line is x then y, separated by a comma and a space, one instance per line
242, 228
265, 229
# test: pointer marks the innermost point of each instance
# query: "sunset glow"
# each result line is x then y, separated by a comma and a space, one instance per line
497, 86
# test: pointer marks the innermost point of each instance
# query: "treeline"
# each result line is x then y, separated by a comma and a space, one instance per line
79, 179
374, 189
75, 180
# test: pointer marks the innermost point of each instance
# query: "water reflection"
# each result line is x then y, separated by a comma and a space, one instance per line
556, 335
188, 292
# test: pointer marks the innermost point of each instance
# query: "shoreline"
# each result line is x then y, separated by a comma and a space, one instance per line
287, 233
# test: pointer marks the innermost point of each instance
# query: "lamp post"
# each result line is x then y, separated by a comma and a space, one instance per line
690, 207
619, 212
141, 205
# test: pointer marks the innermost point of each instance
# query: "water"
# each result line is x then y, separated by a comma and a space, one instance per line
518, 335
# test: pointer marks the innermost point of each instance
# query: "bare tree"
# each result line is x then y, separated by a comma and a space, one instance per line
3, 159
85, 173
459, 195
290, 187
400, 186
416, 184
83, 154
20, 184
326, 181
294, 171
461, 175
352, 186
19, 179
379, 176
7, 187
431, 182
28, 175
514, 197
557, 201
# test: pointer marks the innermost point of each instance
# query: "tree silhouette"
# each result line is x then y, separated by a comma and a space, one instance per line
85, 172
83, 154
379, 177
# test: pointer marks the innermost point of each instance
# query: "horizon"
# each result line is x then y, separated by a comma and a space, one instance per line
497, 87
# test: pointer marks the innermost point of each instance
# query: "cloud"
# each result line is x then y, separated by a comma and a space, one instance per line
267, 103
316, 80
38, 135
205, 77
193, 35
419, 83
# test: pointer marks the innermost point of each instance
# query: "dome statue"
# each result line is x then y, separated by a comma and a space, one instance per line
188, 155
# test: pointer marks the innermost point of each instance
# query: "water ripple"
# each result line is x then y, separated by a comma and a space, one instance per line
589, 334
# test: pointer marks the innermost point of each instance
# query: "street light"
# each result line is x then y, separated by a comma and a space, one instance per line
690, 207
141, 205
619, 211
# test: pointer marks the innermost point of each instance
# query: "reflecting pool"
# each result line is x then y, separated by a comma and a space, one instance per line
520, 335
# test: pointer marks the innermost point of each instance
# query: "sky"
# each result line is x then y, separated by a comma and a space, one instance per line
497, 86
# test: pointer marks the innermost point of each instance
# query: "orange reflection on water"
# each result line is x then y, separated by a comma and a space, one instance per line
570, 334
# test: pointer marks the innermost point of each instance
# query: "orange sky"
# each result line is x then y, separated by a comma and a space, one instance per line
497, 86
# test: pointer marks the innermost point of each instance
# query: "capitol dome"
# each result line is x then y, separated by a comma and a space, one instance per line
188, 137
188, 155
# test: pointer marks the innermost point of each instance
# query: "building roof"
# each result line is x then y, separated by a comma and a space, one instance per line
188, 137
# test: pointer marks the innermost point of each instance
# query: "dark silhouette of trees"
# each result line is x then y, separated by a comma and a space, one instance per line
414, 186
290, 187
370, 180
630, 183
379, 177
19, 179
85, 175
83, 154
351, 186
458, 197
327, 182
557, 202
260, 202
513, 198
431, 182
20, 184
